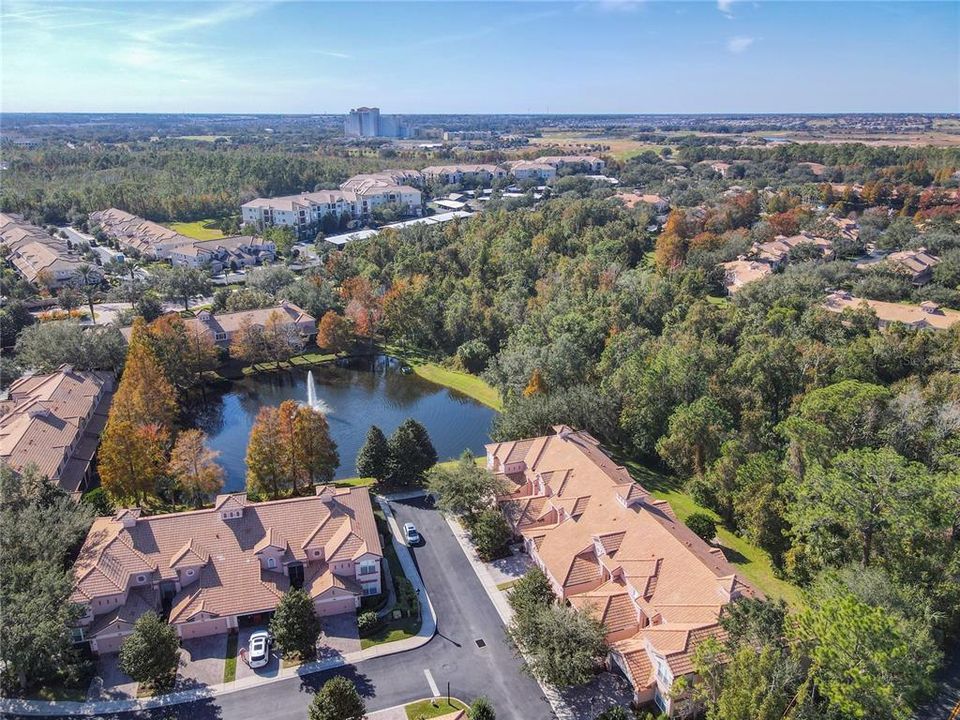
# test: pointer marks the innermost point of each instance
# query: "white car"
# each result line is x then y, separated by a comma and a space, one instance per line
259, 649
411, 534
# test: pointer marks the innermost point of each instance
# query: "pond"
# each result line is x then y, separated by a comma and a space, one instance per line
358, 393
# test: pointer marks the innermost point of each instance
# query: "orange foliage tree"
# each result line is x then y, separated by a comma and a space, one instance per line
334, 332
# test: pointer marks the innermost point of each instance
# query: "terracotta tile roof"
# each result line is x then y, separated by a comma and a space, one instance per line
49, 416
915, 263
925, 315
629, 552
738, 273
231, 580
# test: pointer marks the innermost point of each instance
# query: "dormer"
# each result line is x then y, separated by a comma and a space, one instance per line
271, 550
230, 506
632, 495
127, 516
188, 561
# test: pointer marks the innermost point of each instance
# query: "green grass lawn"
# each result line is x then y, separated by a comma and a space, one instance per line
199, 229
391, 630
752, 561
426, 708
230, 661
428, 369
59, 692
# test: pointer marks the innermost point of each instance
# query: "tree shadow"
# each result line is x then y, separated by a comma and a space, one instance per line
314, 681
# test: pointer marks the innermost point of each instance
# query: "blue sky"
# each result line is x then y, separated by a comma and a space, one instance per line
616, 56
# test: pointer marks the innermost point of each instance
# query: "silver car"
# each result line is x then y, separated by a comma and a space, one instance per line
411, 534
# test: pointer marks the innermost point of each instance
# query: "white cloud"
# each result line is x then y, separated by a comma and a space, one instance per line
726, 7
739, 43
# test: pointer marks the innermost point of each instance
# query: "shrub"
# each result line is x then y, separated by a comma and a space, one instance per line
367, 623
490, 535
703, 525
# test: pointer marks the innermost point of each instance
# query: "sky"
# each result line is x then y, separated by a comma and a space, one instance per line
605, 56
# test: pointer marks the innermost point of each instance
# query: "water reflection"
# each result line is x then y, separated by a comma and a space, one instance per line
359, 392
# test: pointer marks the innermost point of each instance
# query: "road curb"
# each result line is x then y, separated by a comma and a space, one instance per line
428, 629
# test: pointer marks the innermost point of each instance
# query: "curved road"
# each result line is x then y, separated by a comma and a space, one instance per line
465, 615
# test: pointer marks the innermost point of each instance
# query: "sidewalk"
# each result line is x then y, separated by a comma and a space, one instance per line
499, 599
427, 630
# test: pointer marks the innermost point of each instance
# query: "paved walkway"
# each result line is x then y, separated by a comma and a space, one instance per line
427, 630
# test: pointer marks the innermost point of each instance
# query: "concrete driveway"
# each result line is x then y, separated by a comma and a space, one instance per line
110, 683
201, 661
339, 636
271, 669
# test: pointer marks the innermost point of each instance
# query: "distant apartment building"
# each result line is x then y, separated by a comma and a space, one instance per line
458, 173
231, 253
916, 265
608, 547
927, 315
134, 233
53, 422
738, 273
39, 258
580, 163
532, 170
369, 123
356, 199
776, 252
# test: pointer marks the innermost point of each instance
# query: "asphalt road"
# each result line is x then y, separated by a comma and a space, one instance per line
465, 615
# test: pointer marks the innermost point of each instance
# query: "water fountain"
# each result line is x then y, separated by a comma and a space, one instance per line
313, 402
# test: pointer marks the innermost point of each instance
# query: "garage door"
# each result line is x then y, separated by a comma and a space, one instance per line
335, 607
204, 628
110, 644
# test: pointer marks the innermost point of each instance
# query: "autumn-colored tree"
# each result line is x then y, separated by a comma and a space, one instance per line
194, 467
290, 446
670, 251
266, 473
314, 451
407, 316
283, 340
362, 306
144, 395
183, 353
537, 385
334, 332
132, 459
248, 343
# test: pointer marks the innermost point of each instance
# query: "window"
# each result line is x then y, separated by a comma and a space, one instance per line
190, 573
370, 589
141, 578
271, 562
368, 568
661, 703
220, 336
76, 634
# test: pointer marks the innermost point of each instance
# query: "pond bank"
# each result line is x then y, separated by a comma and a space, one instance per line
421, 364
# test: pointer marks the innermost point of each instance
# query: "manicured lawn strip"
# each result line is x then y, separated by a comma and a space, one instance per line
752, 561
426, 708
199, 229
392, 629
425, 367
230, 661
59, 692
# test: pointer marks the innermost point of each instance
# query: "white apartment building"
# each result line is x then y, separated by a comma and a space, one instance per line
456, 174
532, 170
356, 198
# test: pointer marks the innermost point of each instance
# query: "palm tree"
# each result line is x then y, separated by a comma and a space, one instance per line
87, 276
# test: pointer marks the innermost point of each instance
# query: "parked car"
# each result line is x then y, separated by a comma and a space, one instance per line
411, 534
259, 649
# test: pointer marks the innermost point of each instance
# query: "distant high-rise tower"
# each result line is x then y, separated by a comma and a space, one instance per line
362, 122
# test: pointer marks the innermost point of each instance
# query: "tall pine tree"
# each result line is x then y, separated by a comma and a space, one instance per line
373, 460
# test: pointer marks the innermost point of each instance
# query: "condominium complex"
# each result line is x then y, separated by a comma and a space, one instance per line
53, 422
40, 258
609, 547
456, 174
356, 199
225, 566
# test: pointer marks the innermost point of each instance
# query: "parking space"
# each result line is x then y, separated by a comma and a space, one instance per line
110, 683
271, 669
201, 661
